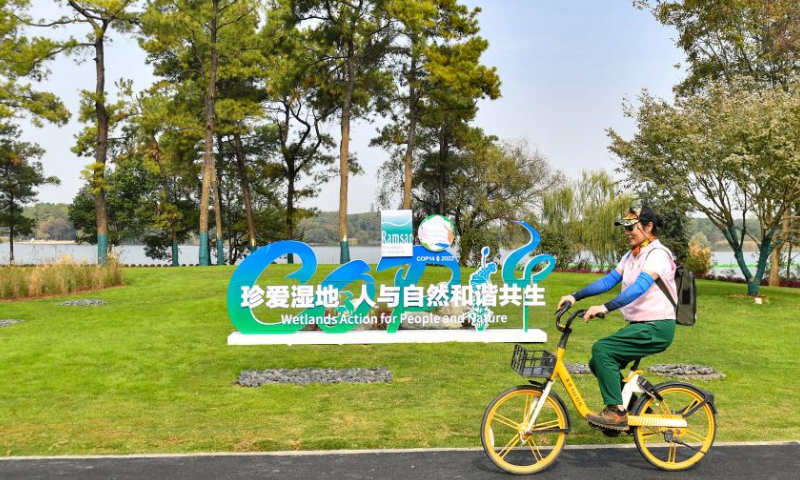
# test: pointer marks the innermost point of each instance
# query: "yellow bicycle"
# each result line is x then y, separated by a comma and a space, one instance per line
524, 429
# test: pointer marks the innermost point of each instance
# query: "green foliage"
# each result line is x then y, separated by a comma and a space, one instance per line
269, 216
20, 175
364, 228
698, 259
486, 182
725, 39
202, 51
728, 149
348, 43
303, 149
25, 58
433, 36
455, 169
133, 205
580, 216
51, 220
673, 218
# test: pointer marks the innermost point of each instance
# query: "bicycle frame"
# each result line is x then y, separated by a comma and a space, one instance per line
632, 385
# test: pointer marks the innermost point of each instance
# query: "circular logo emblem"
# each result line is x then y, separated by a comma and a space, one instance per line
436, 233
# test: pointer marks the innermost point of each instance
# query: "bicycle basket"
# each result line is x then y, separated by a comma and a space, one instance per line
532, 363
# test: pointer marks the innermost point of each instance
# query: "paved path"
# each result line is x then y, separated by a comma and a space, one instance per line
724, 462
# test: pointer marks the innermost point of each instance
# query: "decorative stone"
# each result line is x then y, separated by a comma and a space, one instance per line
578, 369
307, 376
698, 372
8, 323
83, 303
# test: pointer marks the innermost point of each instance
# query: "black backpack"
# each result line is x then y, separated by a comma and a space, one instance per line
686, 308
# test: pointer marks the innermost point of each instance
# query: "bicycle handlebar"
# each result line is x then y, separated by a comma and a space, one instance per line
579, 313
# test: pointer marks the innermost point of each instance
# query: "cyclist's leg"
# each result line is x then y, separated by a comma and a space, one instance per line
612, 353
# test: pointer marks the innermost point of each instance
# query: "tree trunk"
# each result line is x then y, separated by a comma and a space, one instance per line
11, 221
101, 139
408, 158
443, 152
775, 263
167, 197
248, 203
220, 241
764, 251
290, 177
208, 157
344, 152
732, 237
175, 251
218, 207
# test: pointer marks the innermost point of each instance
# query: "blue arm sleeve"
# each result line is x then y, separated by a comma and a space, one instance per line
600, 286
643, 282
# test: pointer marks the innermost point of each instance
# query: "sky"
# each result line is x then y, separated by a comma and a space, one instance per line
565, 67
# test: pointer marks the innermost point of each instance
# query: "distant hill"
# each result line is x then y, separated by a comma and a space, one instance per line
362, 228
52, 221
715, 237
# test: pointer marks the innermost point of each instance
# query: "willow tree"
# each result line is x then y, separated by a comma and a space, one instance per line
579, 216
730, 150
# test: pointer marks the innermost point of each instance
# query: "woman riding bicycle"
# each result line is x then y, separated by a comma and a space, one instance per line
648, 311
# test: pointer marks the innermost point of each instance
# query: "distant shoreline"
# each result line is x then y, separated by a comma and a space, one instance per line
715, 248
44, 242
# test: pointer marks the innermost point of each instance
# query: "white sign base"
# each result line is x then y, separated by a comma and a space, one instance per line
495, 335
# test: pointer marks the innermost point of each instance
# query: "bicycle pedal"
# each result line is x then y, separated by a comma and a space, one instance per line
614, 430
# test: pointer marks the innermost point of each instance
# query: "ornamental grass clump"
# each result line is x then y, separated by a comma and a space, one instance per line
62, 277
699, 259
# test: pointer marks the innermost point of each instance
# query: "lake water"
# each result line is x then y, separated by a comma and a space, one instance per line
134, 254
27, 254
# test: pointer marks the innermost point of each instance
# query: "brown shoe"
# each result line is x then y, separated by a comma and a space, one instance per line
611, 417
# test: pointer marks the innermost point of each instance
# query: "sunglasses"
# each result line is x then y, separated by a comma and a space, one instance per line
629, 228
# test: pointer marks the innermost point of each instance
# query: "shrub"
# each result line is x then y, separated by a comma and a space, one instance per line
61, 277
699, 259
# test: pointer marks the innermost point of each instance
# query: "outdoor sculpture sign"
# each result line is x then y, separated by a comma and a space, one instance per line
338, 304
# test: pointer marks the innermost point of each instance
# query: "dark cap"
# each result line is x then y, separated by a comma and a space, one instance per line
636, 214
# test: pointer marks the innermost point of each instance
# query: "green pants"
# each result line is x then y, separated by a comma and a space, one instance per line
613, 353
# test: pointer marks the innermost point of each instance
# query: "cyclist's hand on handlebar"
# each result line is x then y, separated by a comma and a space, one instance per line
595, 311
565, 299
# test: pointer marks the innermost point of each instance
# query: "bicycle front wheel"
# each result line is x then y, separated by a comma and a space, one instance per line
503, 431
676, 448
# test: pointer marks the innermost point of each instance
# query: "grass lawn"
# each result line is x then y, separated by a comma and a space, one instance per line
151, 372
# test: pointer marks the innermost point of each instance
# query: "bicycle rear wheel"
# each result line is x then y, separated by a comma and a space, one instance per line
503, 437
676, 448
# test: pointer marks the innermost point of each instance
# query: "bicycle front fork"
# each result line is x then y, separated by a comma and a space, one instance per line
538, 406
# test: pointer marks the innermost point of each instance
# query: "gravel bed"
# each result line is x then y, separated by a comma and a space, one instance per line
701, 372
307, 376
83, 303
578, 369
8, 323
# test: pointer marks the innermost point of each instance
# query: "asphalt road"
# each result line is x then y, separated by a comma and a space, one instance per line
724, 462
